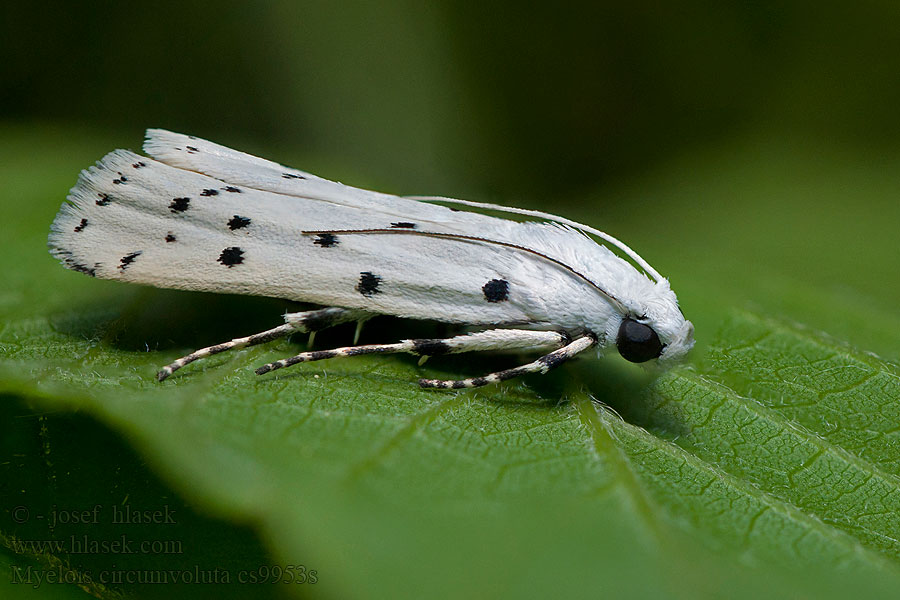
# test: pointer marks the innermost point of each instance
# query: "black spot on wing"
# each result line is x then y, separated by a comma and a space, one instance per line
73, 264
209, 192
102, 199
496, 290
126, 260
238, 222
326, 240
179, 204
170, 237
368, 283
138, 165
80, 227
232, 189
121, 179
403, 225
92, 271
292, 176
231, 256
192, 149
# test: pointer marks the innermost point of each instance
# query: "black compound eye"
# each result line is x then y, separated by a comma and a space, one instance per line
637, 342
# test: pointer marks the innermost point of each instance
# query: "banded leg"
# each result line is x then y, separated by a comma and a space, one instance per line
541, 365
492, 339
307, 321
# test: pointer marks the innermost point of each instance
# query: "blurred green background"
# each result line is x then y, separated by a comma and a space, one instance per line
750, 151
535, 101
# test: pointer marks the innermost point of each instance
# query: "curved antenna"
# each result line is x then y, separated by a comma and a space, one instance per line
542, 215
471, 238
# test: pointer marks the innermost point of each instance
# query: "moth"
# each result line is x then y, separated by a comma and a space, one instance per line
199, 216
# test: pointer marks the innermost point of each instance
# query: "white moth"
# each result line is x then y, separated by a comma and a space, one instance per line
199, 216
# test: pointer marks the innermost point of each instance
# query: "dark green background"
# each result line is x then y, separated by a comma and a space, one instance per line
533, 101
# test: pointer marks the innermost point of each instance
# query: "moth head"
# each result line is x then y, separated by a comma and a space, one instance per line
655, 328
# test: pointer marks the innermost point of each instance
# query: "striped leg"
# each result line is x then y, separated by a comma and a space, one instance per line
307, 321
541, 365
492, 339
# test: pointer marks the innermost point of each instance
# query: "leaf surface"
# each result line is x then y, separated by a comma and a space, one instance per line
774, 450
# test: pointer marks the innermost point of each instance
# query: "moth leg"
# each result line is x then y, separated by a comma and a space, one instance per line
359, 328
306, 321
492, 339
541, 365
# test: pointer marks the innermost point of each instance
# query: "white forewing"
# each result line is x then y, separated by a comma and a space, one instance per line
559, 241
225, 164
138, 220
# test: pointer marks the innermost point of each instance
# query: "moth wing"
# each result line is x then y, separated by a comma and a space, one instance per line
138, 220
202, 156
195, 154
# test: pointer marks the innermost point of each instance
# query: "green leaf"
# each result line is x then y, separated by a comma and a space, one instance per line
767, 464
805, 441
